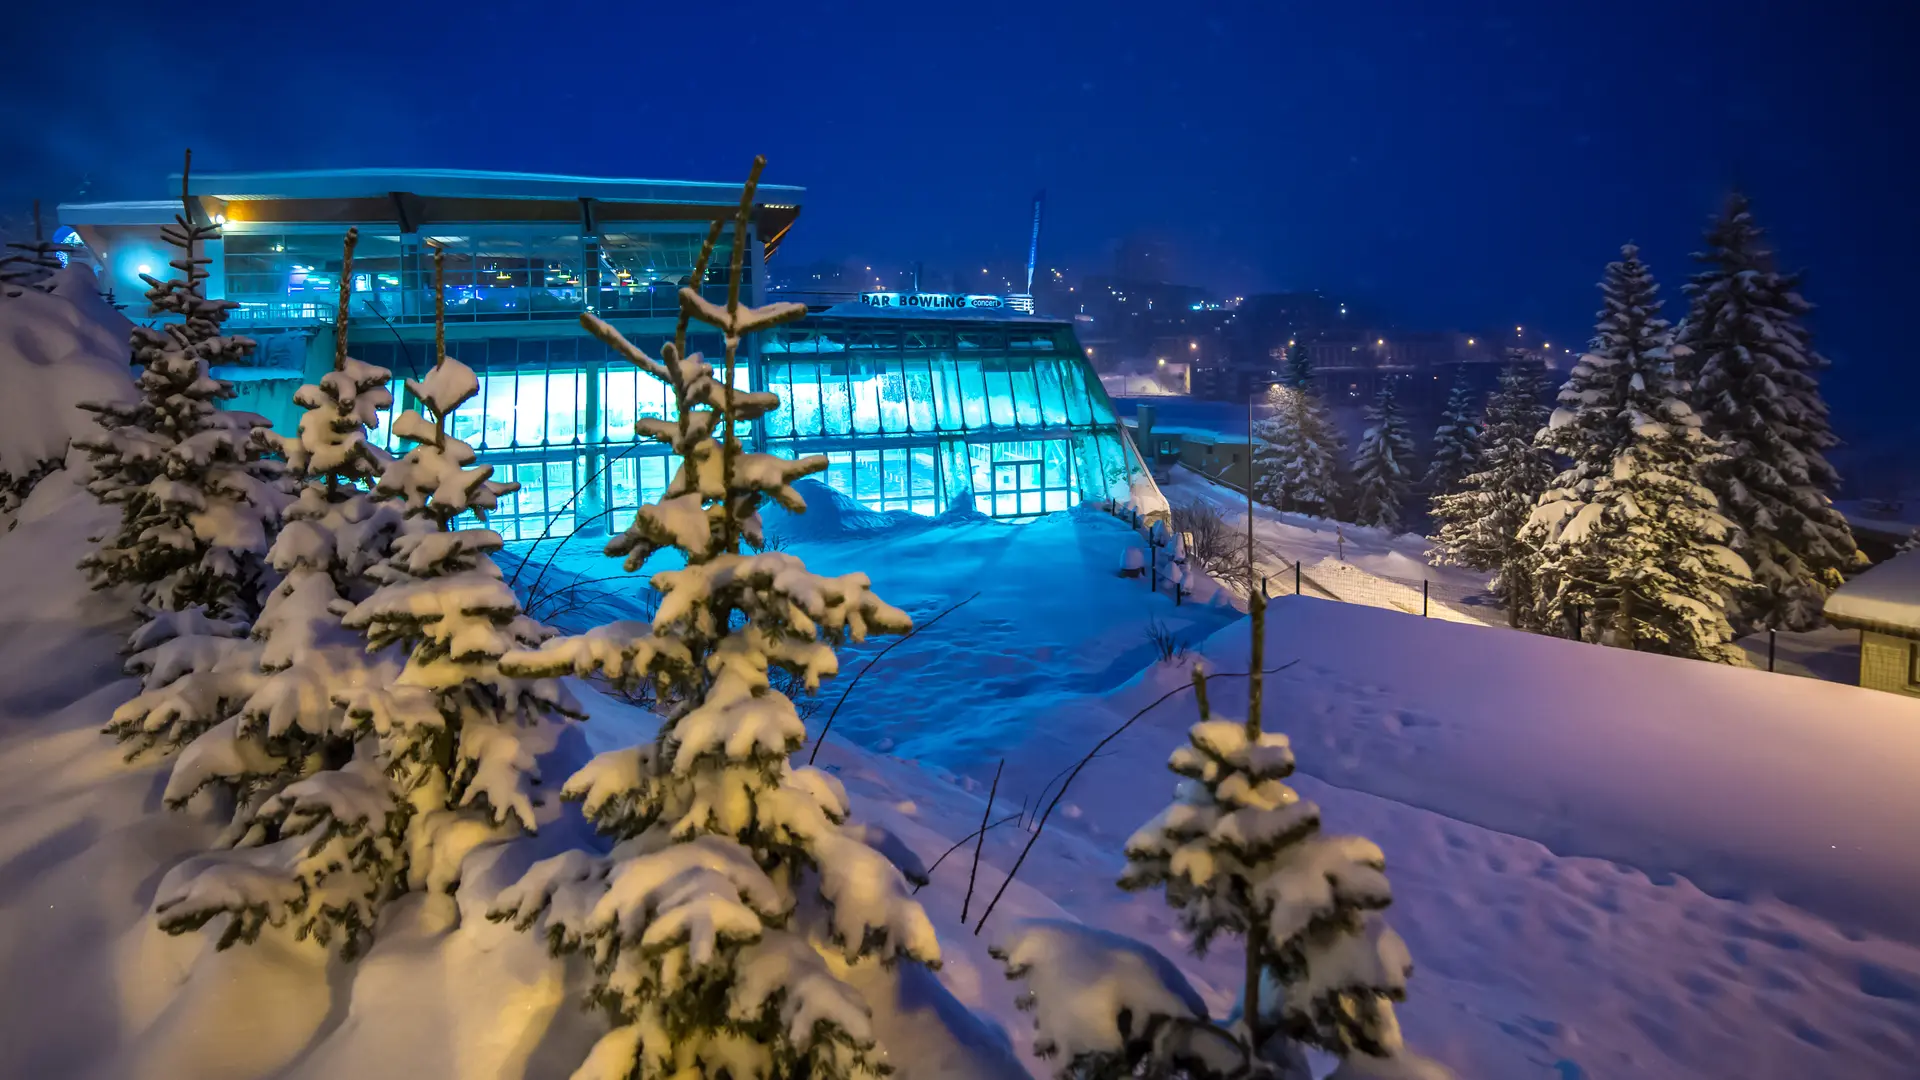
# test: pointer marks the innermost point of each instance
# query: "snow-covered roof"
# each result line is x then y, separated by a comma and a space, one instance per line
1886, 597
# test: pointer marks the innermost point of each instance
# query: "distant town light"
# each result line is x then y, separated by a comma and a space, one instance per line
1469, 341
1546, 344
1516, 329
1193, 344
1163, 361
1379, 341
1289, 343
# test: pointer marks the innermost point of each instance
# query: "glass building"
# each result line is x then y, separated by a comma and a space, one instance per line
917, 406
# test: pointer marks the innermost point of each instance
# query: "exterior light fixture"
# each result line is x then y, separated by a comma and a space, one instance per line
146, 268
1163, 361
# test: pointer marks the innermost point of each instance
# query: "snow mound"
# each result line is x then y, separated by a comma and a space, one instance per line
57, 349
831, 516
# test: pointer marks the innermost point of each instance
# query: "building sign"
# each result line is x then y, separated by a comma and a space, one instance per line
918, 301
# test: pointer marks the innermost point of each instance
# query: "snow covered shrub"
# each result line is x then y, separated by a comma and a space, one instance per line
197, 497
1212, 544
1630, 535
1241, 853
1108, 1007
732, 870
1167, 645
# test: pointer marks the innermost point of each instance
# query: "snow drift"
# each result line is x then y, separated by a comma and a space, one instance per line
57, 349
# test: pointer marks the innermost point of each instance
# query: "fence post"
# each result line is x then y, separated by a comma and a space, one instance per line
1265, 592
1770, 644
1153, 556
1424, 583
1296, 577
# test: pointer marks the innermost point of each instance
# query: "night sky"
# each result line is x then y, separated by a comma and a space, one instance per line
1468, 169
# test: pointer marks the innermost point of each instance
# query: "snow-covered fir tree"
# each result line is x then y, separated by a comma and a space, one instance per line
732, 869
1299, 367
1296, 450
1757, 392
314, 842
198, 498
1239, 853
453, 737
1383, 464
1456, 442
1479, 523
1632, 541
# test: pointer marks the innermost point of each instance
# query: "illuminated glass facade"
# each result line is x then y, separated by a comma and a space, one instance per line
910, 417
915, 410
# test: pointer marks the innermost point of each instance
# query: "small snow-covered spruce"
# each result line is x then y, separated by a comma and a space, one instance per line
198, 499
1383, 464
30, 265
1241, 853
1479, 523
316, 829
1630, 536
1296, 452
1108, 1007
732, 869
1457, 441
453, 735
1757, 392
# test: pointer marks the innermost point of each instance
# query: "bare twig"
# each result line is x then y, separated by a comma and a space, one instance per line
1097, 747
962, 842
863, 671
982, 841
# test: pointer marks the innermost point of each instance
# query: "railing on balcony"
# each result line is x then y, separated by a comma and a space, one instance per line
468, 305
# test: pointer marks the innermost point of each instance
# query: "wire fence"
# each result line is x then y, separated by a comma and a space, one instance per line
1170, 557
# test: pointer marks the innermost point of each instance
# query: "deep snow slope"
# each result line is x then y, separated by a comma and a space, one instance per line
1534, 798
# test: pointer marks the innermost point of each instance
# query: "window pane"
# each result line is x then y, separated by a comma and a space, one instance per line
840, 472
893, 479
893, 397
1053, 406
973, 394
529, 424
919, 386
836, 411
806, 399
999, 396
866, 396
866, 474
779, 381
1026, 397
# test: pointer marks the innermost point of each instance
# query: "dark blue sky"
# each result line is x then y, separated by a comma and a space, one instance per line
1458, 163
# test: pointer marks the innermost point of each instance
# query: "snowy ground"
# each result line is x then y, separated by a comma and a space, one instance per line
1547, 807
1605, 864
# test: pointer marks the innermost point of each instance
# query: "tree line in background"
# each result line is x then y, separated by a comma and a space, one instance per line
1677, 494
341, 674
